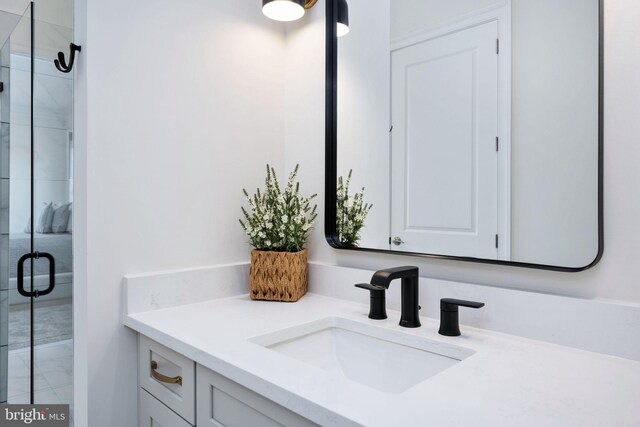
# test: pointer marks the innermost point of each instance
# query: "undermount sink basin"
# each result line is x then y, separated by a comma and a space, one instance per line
387, 360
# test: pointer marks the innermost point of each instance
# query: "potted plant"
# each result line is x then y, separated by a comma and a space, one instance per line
278, 222
351, 213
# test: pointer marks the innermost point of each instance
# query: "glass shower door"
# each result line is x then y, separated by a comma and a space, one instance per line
16, 239
8, 23
52, 203
40, 273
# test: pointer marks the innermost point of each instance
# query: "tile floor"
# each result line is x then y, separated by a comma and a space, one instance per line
54, 373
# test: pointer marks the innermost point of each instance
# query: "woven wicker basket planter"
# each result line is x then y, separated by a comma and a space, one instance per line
278, 276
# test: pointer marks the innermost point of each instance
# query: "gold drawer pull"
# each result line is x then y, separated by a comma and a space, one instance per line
163, 378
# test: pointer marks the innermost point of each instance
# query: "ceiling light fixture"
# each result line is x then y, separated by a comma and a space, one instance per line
286, 10
343, 18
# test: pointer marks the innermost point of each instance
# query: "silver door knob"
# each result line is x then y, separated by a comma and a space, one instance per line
397, 241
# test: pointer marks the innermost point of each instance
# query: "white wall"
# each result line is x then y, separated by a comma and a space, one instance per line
615, 276
179, 105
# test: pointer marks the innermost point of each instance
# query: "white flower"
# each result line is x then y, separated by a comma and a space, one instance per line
277, 214
306, 227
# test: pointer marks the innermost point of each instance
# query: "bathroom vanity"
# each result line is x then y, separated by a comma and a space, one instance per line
180, 400
323, 361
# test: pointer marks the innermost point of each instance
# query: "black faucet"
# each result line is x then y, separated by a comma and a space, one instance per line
449, 321
380, 281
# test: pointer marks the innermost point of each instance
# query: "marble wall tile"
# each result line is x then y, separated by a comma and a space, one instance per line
51, 153
5, 54
20, 62
5, 135
50, 38
53, 102
4, 262
19, 205
20, 99
4, 206
3, 373
5, 98
20, 151
4, 318
52, 98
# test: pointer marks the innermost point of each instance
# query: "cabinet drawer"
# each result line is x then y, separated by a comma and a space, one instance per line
152, 413
159, 369
224, 403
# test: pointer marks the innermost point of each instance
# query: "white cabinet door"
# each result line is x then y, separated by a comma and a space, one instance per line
224, 403
152, 413
444, 159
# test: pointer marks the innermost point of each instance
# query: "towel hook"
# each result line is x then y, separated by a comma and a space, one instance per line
61, 63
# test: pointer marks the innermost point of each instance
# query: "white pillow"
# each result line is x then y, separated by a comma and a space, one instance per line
70, 225
44, 220
60, 220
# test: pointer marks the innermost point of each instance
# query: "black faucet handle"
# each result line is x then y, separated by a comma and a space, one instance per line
377, 307
452, 304
370, 287
449, 319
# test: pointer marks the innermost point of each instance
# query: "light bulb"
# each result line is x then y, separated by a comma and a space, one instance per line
283, 10
342, 29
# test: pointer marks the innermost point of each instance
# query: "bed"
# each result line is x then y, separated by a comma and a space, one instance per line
58, 245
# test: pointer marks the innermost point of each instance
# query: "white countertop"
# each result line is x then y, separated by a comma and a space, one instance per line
509, 381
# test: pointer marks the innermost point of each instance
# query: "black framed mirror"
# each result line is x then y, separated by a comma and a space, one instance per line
475, 129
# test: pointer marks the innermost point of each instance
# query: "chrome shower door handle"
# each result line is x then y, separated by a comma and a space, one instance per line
52, 274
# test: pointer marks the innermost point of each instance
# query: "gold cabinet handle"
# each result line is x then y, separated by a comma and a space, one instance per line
163, 378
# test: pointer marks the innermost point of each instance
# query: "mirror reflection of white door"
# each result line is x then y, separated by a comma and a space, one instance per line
444, 173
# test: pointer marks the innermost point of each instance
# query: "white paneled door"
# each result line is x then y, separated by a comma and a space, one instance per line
444, 159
